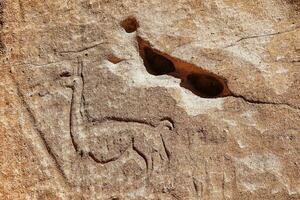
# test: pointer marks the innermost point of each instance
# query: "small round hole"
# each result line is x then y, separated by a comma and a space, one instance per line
157, 64
130, 24
206, 85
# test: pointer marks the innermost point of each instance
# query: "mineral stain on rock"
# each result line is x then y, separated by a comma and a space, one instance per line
183, 111
130, 24
114, 59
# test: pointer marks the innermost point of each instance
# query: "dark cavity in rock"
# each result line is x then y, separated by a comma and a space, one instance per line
157, 64
206, 85
196, 79
130, 24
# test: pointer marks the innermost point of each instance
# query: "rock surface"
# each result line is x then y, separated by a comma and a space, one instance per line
151, 99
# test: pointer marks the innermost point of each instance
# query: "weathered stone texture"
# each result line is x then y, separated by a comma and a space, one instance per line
151, 99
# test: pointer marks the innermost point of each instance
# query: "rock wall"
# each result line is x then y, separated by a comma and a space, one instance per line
151, 99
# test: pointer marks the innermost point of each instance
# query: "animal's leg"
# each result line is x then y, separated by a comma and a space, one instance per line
140, 145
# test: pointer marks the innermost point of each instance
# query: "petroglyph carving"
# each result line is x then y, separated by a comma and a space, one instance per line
108, 139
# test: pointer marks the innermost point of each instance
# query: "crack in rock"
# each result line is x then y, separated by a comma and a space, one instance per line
259, 36
200, 81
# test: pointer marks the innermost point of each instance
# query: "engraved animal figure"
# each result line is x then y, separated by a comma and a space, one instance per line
107, 140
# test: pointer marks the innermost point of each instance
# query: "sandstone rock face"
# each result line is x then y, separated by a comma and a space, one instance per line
187, 99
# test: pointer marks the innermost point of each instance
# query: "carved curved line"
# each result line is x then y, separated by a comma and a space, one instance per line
122, 119
105, 161
75, 145
106, 119
165, 148
141, 154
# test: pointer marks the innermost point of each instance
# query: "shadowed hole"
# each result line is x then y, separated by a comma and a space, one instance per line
65, 74
157, 64
206, 85
130, 24
199, 81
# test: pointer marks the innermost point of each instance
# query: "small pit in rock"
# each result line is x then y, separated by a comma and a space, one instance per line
130, 24
157, 64
114, 59
206, 85
65, 74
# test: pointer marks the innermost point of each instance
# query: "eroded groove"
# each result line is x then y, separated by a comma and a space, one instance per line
75, 122
41, 64
140, 153
258, 102
80, 50
104, 161
2, 45
123, 119
170, 123
82, 104
196, 187
75, 145
259, 36
165, 148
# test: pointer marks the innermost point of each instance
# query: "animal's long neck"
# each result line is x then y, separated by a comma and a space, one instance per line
76, 119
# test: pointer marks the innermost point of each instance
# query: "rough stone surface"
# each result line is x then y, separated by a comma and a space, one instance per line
81, 116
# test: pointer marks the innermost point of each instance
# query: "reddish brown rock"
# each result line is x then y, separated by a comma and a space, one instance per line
150, 99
